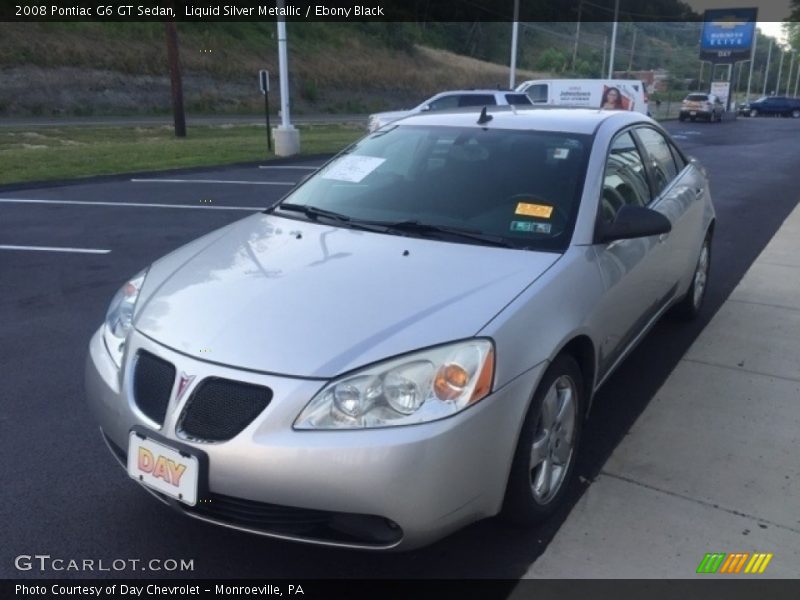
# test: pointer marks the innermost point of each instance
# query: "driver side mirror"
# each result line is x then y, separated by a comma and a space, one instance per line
633, 222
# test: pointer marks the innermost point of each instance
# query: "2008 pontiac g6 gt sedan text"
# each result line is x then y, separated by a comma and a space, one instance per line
410, 340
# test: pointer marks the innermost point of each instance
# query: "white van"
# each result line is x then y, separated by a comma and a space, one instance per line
617, 94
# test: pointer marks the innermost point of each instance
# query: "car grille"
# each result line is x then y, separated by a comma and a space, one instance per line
153, 379
220, 408
345, 528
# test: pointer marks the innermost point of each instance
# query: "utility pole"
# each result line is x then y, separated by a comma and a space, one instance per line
176, 84
752, 62
613, 40
577, 36
700, 79
512, 78
780, 69
766, 72
633, 47
789, 76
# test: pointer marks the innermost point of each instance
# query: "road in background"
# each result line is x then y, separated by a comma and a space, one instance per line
66, 496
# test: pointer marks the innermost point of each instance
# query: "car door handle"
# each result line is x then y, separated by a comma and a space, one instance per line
698, 192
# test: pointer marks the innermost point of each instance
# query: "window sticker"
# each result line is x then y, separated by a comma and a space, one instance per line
530, 227
352, 168
534, 210
560, 153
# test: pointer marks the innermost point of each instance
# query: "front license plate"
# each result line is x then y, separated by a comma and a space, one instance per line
693, 113
163, 468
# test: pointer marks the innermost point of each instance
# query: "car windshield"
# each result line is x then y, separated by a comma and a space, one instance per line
521, 188
697, 98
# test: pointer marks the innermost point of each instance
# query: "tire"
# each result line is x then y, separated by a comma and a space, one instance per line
796, 113
532, 496
689, 307
682, 118
753, 112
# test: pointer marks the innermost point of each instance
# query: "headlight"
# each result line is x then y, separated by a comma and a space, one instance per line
416, 388
119, 317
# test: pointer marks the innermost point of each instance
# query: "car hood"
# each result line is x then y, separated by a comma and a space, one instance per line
304, 299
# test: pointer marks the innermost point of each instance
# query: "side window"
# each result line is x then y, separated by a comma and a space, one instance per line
680, 163
537, 93
625, 179
444, 102
477, 100
659, 157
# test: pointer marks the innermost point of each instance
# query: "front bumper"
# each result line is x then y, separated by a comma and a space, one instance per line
427, 480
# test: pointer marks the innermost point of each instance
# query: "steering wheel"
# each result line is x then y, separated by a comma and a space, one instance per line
531, 199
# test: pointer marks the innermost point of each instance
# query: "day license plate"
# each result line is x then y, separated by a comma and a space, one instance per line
692, 112
163, 468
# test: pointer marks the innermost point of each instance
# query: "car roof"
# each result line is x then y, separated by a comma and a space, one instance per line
576, 120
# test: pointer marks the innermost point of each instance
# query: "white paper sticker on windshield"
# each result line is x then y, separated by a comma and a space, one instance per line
560, 153
352, 168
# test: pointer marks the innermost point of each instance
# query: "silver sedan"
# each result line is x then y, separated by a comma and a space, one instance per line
411, 339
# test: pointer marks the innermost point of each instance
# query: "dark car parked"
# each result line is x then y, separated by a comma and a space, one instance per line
772, 105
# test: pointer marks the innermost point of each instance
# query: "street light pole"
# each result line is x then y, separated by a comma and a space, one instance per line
766, 72
789, 76
514, 32
577, 36
780, 69
287, 138
613, 40
752, 61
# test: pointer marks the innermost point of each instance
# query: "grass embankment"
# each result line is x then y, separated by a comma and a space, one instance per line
61, 153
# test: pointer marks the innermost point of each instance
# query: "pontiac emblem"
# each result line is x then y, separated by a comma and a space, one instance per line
184, 382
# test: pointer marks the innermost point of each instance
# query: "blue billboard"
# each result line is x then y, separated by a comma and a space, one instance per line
728, 34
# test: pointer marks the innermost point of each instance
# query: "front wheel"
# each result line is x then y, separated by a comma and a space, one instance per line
689, 306
548, 445
796, 113
753, 112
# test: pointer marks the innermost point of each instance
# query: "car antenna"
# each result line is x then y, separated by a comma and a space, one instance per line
484, 118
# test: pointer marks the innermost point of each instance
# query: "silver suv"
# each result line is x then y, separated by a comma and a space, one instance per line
453, 99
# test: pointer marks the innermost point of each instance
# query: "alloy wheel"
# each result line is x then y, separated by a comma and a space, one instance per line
701, 275
554, 440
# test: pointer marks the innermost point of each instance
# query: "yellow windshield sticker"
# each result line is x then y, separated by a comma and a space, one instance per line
534, 210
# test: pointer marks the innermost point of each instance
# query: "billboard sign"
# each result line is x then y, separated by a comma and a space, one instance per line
728, 34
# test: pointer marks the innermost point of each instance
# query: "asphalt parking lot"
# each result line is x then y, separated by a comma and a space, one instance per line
64, 495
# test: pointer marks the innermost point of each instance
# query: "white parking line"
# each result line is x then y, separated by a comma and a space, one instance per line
213, 181
55, 249
287, 167
137, 204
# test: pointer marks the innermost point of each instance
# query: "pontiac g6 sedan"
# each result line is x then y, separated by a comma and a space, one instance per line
411, 339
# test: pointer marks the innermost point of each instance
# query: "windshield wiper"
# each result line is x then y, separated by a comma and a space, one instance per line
423, 228
312, 212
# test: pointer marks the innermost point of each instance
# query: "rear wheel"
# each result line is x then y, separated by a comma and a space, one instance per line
547, 448
691, 304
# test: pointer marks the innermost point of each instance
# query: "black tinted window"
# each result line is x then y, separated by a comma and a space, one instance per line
659, 158
444, 102
697, 98
477, 100
625, 180
517, 99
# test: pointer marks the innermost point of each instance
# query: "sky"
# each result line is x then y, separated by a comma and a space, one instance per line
771, 11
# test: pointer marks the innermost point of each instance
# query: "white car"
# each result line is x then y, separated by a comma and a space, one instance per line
453, 99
